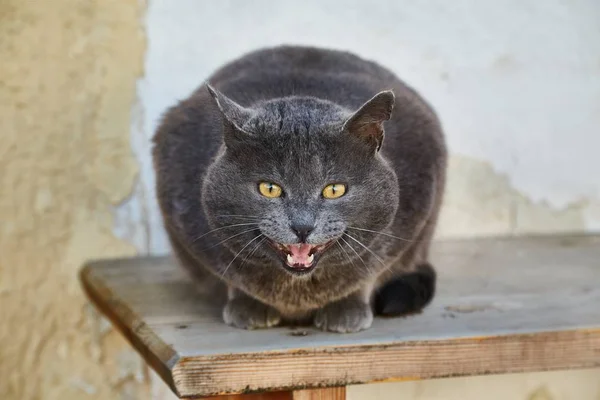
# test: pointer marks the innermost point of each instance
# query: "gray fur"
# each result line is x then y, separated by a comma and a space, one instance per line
302, 118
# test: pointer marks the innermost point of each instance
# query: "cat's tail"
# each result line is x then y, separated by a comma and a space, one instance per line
408, 293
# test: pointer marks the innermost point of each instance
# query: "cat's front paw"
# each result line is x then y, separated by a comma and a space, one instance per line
344, 316
247, 313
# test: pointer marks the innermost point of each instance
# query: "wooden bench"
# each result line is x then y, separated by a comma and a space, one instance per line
503, 305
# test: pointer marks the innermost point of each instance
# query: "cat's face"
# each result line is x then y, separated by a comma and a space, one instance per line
296, 189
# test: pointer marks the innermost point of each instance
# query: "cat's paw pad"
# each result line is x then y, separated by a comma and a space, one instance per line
344, 316
246, 313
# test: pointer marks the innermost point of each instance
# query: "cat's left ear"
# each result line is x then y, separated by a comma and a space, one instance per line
367, 122
234, 117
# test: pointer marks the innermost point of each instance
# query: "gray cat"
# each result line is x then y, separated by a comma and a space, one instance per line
278, 180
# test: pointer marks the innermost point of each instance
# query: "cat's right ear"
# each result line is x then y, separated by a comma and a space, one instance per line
234, 117
367, 122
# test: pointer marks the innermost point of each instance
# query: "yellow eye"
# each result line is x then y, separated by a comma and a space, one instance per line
270, 190
334, 191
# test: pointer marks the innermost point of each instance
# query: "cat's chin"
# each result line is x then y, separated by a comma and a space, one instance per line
300, 259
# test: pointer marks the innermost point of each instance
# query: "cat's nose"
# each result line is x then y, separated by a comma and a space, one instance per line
302, 231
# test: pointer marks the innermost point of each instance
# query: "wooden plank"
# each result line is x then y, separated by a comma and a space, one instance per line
155, 351
335, 393
503, 305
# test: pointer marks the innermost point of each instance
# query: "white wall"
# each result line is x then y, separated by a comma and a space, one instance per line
516, 84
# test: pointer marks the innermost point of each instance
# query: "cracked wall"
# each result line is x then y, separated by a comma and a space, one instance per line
67, 84
481, 201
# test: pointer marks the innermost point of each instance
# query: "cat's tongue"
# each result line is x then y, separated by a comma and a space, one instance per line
299, 255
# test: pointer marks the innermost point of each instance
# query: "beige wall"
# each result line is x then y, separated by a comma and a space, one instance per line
67, 84
555, 385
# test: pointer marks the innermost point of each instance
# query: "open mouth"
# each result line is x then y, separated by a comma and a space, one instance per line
300, 258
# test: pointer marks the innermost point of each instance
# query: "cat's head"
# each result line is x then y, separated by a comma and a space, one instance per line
299, 181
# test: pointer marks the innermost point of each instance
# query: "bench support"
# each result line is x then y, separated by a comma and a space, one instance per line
336, 393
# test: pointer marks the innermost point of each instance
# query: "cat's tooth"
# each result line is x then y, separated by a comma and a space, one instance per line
310, 258
290, 259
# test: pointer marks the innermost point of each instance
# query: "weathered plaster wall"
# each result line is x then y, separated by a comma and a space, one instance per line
555, 385
67, 85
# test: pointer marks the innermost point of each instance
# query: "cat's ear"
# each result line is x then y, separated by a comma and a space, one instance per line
234, 117
367, 122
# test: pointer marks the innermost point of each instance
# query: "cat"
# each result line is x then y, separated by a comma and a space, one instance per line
307, 180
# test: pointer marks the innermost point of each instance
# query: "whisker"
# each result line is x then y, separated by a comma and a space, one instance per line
223, 227
355, 252
368, 249
344, 250
238, 253
380, 233
253, 251
230, 237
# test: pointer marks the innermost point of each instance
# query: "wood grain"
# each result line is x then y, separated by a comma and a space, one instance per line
258, 396
503, 305
335, 393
